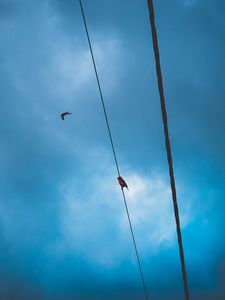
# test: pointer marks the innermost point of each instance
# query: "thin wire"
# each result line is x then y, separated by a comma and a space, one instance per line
100, 90
135, 246
167, 142
113, 150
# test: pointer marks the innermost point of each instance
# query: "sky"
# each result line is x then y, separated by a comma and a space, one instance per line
64, 232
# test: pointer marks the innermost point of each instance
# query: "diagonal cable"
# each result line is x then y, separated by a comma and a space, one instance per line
135, 247
167, 142
100, 90
113, 150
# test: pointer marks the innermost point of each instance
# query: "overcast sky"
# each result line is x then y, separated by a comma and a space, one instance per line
64, 232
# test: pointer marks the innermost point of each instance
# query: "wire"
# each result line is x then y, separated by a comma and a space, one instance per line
113, 150
100, 90
135, 246
167, 142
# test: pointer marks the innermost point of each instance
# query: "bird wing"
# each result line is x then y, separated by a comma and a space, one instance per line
65, 114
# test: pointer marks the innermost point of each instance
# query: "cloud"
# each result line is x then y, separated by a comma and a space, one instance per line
95, 223
71, 68
61, 205
58, 62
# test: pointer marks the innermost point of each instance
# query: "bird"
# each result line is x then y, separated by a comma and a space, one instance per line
122, 182
65, 114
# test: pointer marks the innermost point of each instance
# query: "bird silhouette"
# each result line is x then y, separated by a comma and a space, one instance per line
65, 114
122, 182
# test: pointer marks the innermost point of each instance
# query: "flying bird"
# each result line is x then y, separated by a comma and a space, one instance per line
122, 182
65, 114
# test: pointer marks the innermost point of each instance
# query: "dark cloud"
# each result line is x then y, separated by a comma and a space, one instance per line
38, 44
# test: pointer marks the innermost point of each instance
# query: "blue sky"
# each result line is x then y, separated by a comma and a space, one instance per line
64, 232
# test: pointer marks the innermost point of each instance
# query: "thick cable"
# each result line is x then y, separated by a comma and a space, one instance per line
167, 143
113, 150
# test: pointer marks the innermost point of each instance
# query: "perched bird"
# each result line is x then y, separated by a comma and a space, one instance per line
122, 182
65, 114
